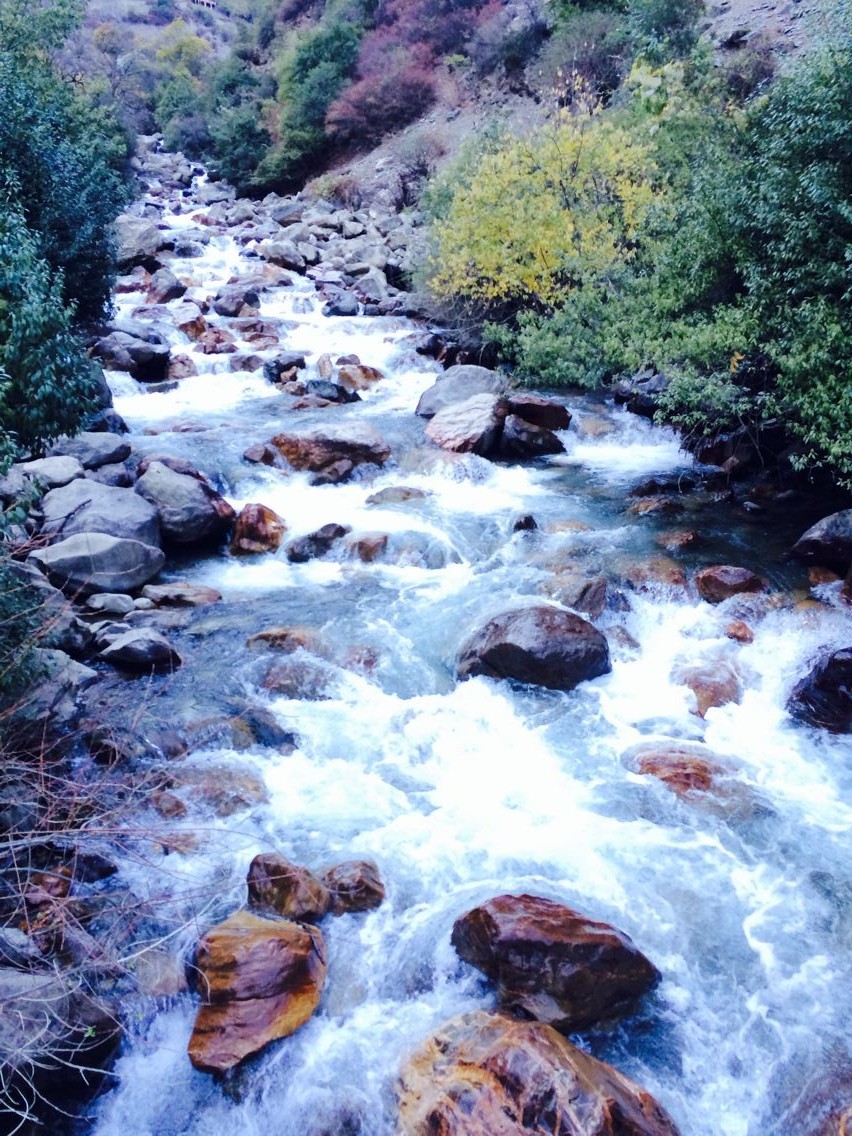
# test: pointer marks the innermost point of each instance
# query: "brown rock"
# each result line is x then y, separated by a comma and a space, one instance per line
489, 1075
539, 411
257, 529
682, 767
541, 645
357, 377
714, 683
656, 507
179, 593
286, 639
354, 886
470, 427
721, 581
677, 539
324, 446
260, 980
368, 547
279, 885
739, 631
553, 963
216, 341
181, 367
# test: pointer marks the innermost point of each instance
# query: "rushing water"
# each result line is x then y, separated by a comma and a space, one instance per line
461, 791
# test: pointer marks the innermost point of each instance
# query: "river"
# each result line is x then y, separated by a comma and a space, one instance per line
462, 791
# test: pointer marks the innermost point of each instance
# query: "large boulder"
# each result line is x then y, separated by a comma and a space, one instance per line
141, 649
473, 426
61, 629
145, 360
824, 697
190, 510
721, 581
487, 1074
53, 697
541, 645
276, 884
334, 447
457, 384
553, 963
89, 506
50, 473
828, 542
258, 529
94, 449
538, 411
137, 240
96, 562
354, 885
260, 980
522, 440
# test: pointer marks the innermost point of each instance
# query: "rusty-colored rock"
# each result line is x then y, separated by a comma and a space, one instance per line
739, 631
354, 886
278, 885
553, 963
260, 980
257, 529
682, 767
714, 683
489, 1075
721, 581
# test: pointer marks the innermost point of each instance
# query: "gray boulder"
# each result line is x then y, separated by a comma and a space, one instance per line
474, 426
148, 362
93, 449
190, 510
89, 506
541, 645
96, 562
53, 696
283, 253
137, 241
458, 384
142, 649
52, 472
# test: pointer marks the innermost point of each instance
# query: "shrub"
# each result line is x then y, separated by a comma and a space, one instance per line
379, 104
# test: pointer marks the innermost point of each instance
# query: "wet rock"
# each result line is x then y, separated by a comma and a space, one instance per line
641, 393
299, 677
108, 421
714, 683
61, 629
260, 980
93, 449
224, 791
661, 506
257, 529
53, 696
286, 639
148, 362
721, 581
282, 364
367, 547
284, 253
538, 411
182, 367
276, 884
677, 539
52, 473
682, 767
190, 511
473, 426
113, 744
577, 590
86, 506
824, 697
354, 886
487, 1074
828, 542
458, 384
179, 593
739, 631
540, 645
144, 650
343, 304
95, 562
316, 544
188, 318
396, 495
164, 286
522, 441
553, 963
217, 341
320, 449
329, 391
357, 377
654, 572
233, 300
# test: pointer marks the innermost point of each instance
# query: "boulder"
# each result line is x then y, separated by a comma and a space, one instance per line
641, 393
142, 649
683, 767
521, 440
164, 286
552, 963
94, 449
457, 384
487, 1074
232, 300
276, 884
146, 361
315, 544
354, 886
357, 377
721, 581
190, 511
61, 629
284, 253
260, 980
96, 562
828, 542
89, 506
824, 696
541, 645
473, 426
318, 450
538, 411
179, 593
342, 304
188, 319
329, 391
51, 473
282, 364
714, 683
137, 240
53, 697
257, 529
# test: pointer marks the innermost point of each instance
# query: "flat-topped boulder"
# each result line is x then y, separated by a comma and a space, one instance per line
553, 963
190, 510
96, 562
322, 448
542, 645
89, 506
51, 472
260, 979
487, 1074
94, 449
828, 542
457, 384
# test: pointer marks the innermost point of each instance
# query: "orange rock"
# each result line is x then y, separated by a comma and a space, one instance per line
286, 888
257, 529
682, 767
714, 683
740, 631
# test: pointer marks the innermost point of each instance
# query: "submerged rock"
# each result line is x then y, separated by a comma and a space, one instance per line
714, 683
682, 767
541, 645
824, 697
260, 980
553, 963
489, 1075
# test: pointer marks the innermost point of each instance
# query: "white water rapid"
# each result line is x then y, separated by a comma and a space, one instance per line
463, 791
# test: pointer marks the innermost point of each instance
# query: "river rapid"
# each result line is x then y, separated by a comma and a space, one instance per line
464, 790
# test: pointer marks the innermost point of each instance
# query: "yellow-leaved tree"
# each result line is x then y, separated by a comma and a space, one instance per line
543, 215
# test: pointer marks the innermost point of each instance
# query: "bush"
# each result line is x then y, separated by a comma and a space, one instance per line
379, 104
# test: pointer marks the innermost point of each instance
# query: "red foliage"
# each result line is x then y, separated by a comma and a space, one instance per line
442, 25
380, 103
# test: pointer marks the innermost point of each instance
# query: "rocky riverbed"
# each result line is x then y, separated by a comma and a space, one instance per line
413, 722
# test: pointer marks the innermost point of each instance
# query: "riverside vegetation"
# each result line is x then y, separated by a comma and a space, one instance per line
679, 231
